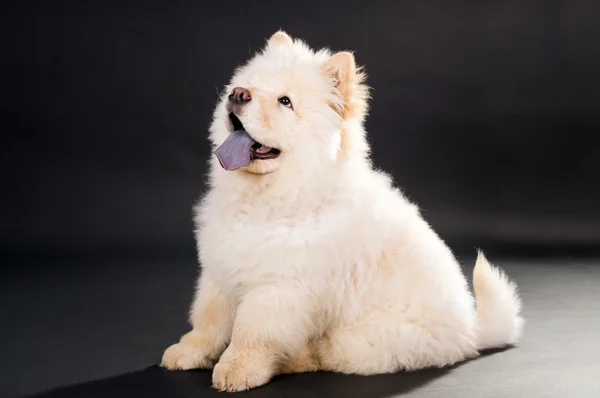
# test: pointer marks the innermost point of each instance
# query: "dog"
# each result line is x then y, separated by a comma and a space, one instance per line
311, 258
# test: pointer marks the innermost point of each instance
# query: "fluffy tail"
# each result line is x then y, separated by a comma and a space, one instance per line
498, 306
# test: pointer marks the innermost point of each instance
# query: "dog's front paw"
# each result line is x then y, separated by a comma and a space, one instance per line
241, 370
183, 356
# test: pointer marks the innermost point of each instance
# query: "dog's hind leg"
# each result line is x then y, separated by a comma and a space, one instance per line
393, 344
307, 361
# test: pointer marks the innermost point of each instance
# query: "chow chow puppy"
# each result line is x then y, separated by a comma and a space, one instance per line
311, 259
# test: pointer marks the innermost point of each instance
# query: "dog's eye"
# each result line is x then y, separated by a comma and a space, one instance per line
285, 101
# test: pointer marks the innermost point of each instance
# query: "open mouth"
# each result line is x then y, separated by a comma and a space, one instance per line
239, 149
257, 150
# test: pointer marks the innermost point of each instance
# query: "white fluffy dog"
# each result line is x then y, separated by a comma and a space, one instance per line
312, 259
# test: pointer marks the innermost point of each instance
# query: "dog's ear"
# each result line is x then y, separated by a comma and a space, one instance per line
341, 67
280, 38
348, 79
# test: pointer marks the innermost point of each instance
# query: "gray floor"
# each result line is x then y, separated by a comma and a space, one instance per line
77, 322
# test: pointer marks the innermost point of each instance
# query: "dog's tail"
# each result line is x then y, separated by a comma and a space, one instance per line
498, 306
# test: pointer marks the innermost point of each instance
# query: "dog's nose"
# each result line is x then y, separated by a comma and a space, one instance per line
240, 95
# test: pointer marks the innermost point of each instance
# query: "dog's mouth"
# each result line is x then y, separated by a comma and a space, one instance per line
257, 150
239, 149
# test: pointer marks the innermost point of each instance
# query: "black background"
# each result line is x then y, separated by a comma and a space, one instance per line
487, 113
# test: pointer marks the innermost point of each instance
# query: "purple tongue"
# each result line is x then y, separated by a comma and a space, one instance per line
234, 152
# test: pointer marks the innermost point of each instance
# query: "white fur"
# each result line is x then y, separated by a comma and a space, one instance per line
315, 258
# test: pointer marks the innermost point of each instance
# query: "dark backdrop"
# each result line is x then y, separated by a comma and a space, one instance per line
487, 113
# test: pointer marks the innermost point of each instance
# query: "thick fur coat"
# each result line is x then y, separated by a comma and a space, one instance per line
314, 260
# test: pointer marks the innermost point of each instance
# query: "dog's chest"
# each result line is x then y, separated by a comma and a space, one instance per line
257, 240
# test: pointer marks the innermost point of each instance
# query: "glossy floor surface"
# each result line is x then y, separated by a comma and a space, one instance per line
98, 328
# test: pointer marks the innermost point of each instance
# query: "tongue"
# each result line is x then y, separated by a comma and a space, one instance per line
264, 149
234, 152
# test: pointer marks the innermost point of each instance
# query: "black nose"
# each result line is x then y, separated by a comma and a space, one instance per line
240, 96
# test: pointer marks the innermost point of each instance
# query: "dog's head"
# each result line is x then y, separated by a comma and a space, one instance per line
289, 107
